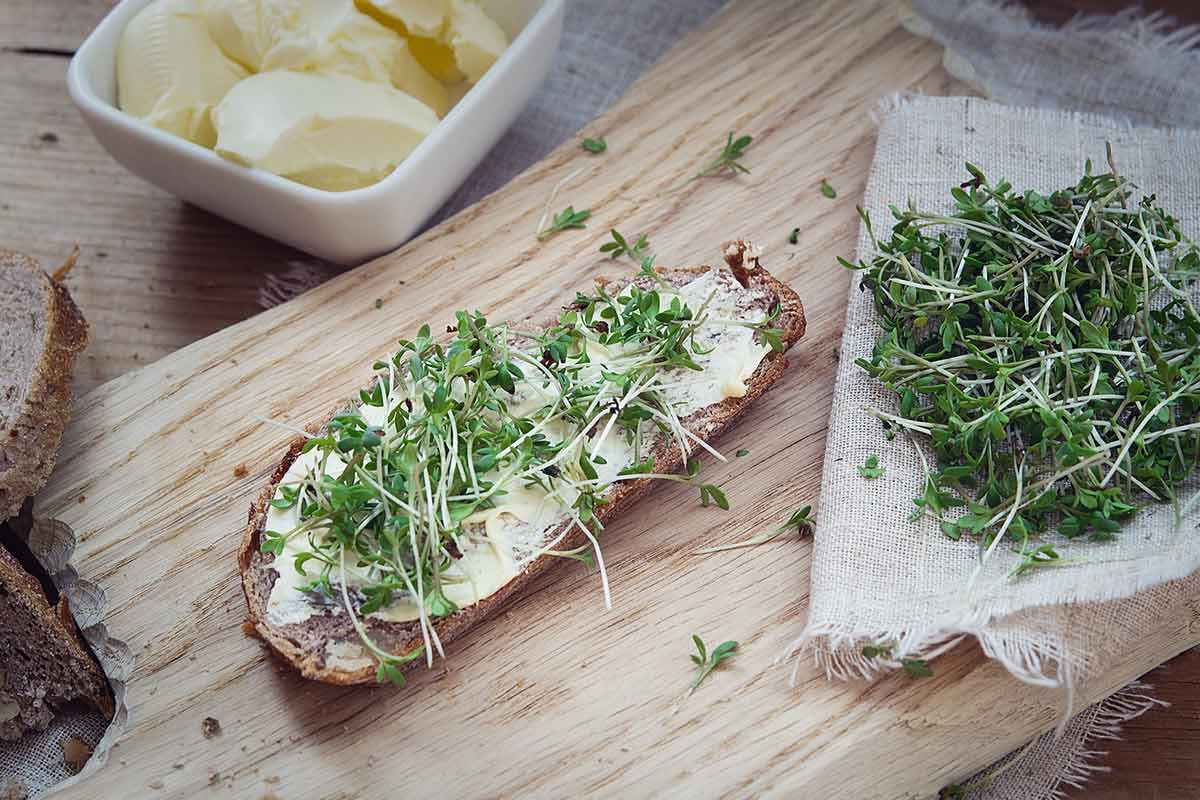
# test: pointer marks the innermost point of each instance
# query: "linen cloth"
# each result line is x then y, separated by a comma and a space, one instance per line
1144, 71
876, 576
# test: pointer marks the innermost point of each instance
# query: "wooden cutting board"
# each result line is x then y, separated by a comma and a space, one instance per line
556, 696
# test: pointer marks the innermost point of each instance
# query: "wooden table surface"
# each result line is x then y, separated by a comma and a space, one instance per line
154, 275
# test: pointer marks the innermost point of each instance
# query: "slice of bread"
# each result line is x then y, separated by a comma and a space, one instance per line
44, 662
41, 332
305, 644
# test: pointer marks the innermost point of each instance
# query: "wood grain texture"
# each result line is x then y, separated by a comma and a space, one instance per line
556, 697
1158, 757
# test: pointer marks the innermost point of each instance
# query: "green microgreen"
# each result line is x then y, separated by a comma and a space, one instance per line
794, 236
714, 493
828, 190
619, 246
870, 468
913, 667
800, 521
916, 668
1046, 350
727, 159
742, 453
597, 145
706, 662
566, 219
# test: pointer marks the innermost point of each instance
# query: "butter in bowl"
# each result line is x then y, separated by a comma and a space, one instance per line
337, 126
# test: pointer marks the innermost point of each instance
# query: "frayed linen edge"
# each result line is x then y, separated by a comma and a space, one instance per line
837, 651
1107, 718
1112, 713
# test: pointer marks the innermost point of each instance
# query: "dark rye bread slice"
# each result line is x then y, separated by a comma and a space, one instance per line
304, 644
41, 332
44, 662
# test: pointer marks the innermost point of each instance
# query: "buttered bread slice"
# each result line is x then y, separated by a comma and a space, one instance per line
476, 460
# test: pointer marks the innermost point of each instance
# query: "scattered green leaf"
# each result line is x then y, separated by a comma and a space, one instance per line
706, 662
620, 247
870, 469
566, 219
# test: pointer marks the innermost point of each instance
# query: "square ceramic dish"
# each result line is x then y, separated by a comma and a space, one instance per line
344, 227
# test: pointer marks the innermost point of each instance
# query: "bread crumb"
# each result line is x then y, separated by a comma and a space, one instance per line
210, 727
155, 785
214, 779
248, 629
76, 753
60, 273
240, 471
273, 779
82, 499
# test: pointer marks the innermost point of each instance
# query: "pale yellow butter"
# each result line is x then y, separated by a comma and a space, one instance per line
331, 93
454, 39
331, 36
170, 73
475, 38
332, 132
414, 17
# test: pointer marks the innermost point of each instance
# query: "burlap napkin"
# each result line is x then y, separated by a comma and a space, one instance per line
878, 577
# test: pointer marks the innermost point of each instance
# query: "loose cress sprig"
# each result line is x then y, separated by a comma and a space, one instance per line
706, 662
1047, 350
619, 246
727, 159
800, 521
565, 220
390, 500
913, 667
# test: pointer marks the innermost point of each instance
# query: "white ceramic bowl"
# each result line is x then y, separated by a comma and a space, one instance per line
344, 227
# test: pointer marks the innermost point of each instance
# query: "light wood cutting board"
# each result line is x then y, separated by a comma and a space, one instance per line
556, 696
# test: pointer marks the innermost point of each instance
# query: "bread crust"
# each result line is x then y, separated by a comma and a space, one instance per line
59, 624
708, 422
32, 441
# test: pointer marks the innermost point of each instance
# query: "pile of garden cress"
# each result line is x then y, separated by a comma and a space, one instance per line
494, 407
1047, 350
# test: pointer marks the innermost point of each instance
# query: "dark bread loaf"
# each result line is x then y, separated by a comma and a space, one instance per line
44, 662
304, 644
41, 332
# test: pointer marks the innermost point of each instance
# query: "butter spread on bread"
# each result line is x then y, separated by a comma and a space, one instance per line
646, 416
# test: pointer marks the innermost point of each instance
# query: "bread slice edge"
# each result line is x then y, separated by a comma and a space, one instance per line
38, 429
